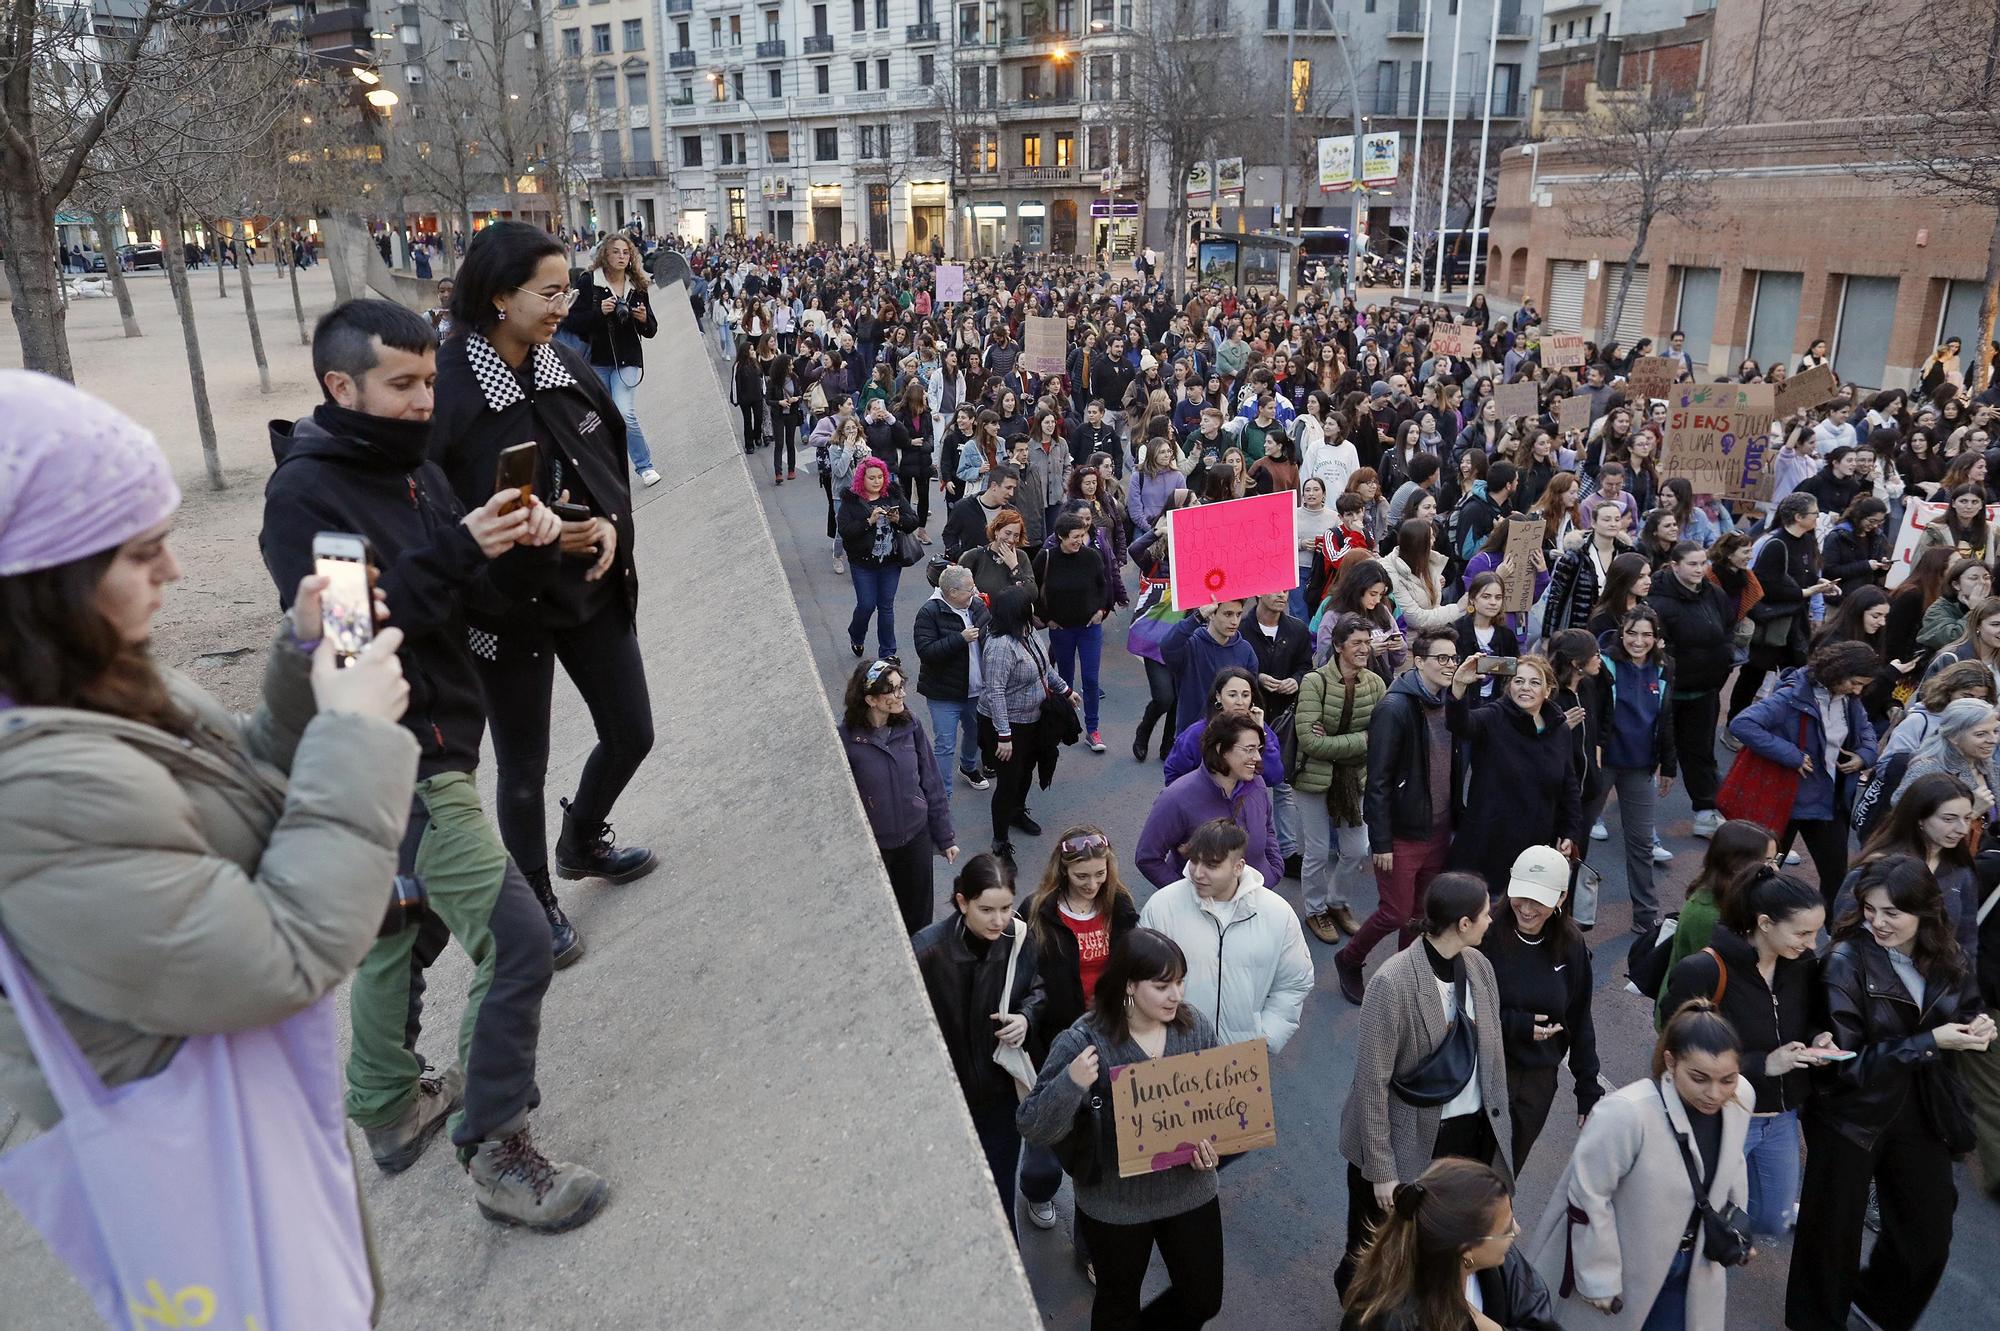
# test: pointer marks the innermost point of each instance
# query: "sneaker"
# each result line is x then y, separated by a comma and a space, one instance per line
1707, 821
1661, 855
974, 778
839, 565
1730, 742
1791, 858
791, 473
397, 1146
649, 477
1042, 1215
1323, 927
515, 1184
1095, 741
1599, 832
588, 851
923, 537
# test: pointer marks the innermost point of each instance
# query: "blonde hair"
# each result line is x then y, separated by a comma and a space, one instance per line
1055, 879
635, 272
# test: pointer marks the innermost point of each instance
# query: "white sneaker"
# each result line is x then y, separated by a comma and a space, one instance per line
839, 563
1661, 855
1599, 832
1042, 1215
1707, 822
1791, 858
649, 477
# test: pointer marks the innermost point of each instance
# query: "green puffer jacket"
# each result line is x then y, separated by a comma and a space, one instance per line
1320, 697
161, 889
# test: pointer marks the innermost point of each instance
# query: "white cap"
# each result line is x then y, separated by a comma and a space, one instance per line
1541, 875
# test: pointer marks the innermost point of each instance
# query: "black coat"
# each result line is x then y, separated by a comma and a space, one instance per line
965, 993
1765, 1016
857, 533
1063, 999
1524, 787
1697, 624
1848, 558
613, 338
944, 657
749, 381
1396, 802
1514, 1295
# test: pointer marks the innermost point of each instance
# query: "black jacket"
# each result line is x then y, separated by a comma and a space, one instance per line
1524, 791
1848, 558
1063, 999
749, 381
1083, 441
1765, 1016
382, 488
857, 533
613, 338
1870, 1012
1286, 655
1070, 588
1396, 803
1514, 1295
944, 657
1697, 624
964, 990
965, 525
1554, 980
482, 410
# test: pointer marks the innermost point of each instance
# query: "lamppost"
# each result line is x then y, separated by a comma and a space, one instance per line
1354, 238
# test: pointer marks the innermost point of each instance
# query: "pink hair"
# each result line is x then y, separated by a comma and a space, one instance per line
862, 467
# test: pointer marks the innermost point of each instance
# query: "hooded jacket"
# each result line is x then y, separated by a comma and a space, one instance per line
1196, 799
1248, 968
340, 471
1697, 624
1193, 654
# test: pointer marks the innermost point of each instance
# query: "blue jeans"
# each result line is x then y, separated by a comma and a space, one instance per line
1295, 599
1772, 1152
621, 397
949, 716
1065, 646
1670, 1307
875, 594
1001, 1141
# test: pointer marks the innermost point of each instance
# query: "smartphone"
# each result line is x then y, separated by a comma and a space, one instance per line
571, 512
1832, 1056
1498, 665
347, 606
516, 472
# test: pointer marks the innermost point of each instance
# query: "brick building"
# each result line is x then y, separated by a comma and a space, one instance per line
1809, 237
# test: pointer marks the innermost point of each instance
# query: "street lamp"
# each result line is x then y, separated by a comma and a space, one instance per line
382, 99
365, 75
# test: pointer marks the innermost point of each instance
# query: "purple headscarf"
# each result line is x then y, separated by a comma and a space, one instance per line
77, 476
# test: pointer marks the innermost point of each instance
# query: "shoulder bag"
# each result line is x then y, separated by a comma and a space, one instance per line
1014, 1060
1725, 1234
1444, 1071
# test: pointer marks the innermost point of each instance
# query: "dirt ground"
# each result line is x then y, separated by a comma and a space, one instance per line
215, 623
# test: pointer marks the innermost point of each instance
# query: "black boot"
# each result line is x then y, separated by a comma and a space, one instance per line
1142, 742
589, 852
567, 942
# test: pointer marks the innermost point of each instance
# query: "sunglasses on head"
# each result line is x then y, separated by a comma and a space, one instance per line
1089, 845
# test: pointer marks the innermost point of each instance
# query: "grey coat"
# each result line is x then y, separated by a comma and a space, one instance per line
1402, 1021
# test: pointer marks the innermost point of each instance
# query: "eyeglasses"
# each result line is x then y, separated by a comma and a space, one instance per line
1085, 847
557, 301
1442, 658
1513, 1232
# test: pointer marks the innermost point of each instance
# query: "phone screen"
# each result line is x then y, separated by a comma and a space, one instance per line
346, 608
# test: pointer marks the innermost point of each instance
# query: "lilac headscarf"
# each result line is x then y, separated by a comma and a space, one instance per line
77, 476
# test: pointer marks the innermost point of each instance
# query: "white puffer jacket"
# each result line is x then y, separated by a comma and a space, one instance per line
1248, 968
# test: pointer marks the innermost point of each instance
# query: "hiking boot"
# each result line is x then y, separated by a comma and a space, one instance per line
589, 852
565, 942
515, 1184
1323, 927
1343, 919
397, 1146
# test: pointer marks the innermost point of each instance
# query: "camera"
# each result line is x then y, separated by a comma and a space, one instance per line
621, 310
408, 899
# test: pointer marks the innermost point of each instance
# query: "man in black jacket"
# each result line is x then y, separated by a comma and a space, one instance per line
1096, 435
965, 525
1698, 621
947, 641
359, 465
1284, 650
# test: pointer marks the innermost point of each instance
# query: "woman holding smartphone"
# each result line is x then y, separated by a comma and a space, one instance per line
500, 385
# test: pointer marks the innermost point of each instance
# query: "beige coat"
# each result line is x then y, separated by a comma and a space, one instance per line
159, 889
1402, 1020
1420, 609
1626, 1175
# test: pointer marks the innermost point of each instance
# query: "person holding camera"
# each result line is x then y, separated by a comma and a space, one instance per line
1647, 1217
613, 311
353, 466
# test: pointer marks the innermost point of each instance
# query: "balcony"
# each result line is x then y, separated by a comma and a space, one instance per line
1043, 105
1036, 42
1517, 27
644, 169
1041, 175
680, 60
680, 6
857, 100
820, 43
1408, 21
771, 50
920, 33
1283, 17
1442, 106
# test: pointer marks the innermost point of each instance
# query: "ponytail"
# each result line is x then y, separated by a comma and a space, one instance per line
1413, 1259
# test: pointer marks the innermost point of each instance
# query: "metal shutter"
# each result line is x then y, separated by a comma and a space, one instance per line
1563, 311
1632, 322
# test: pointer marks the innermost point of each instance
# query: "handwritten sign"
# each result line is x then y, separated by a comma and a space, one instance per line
1163, 1106
1452, 339
1045, 349
1807, 389
950, 283
1518, 399
1232, 550
1524, 542
1652, 376
1917, 515
1719, 437
1562, 351
1573, 413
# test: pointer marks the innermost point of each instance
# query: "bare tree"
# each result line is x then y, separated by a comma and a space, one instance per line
1645, 146
108, 244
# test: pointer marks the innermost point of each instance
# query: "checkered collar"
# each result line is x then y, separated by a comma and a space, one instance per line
496, 377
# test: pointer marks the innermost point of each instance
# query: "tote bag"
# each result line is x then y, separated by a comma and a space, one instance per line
1760, 791
218, 1193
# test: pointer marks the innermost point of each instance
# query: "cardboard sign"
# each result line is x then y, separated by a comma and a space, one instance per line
1652, 376
1045, 349
1452, 339
1805, 390
1917, 515
1524, 542
950, 283
1163, 1106
1518, 399
1562, 351
1719, 437
1573, 413
1236, 549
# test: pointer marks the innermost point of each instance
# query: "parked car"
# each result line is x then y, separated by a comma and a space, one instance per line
141, 256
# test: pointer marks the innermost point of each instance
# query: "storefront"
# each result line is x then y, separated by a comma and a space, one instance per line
928, 202
1032, 225
777, 197
1114, 227
989, 228
826, 214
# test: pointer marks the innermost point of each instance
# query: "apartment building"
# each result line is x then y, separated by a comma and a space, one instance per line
606, 55
1585, 22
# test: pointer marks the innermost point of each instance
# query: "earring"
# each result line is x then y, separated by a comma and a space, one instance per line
503, 314
1465, 1262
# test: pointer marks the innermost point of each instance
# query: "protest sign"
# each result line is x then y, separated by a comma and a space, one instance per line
1452, 339
1524, 542
1336, 163
1046, 346
1719, 437
1652, 376
1235, 549
1520, 399
1573, 413
1562, 351
1807, 389
1917, 515
950, 283
1163, 1106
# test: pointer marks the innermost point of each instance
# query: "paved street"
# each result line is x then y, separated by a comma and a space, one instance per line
1285, 1208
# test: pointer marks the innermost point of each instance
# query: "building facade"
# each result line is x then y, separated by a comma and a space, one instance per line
608, 60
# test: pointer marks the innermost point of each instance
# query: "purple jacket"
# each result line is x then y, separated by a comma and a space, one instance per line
897, 777
1186, 756
1193, 800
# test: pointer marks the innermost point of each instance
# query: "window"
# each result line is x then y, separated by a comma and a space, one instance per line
826, 145
819, 21
635, 88
579, 144
1065, 16
861, 76
1100, 78
714, 33
739, 210
926, 135
1031, 150
600, 39
635, 34
868, 142
1065, 149
642, 145
1100, 14
1097, 148
1588, 21
607, 145
968, 25
573, 95
1860, 343
414, 73
860, 15
1066, 81
771, 33
1302, 83
777, 80
607, 93
926, 71
822, 79
981, 153
736, 83
882, 72
685, 96
926, 12
460, 33
1031, 83
682, 36
736, 30
881, 13
572, 40
778, 145
726, 150
1774, 316
1506, 90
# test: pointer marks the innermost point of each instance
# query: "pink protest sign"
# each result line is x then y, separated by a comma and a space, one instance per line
950, 283
1235, 549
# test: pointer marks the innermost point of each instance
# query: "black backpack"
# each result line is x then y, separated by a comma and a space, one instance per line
1646, 960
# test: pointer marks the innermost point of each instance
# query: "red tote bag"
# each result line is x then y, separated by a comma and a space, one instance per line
1760, 791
